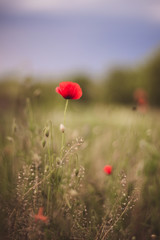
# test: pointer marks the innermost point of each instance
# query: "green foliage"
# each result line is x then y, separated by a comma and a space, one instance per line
153, 79
121, 83
120, 86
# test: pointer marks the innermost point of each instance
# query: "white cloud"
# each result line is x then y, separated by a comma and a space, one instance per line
48, 5
154, 11
145, 9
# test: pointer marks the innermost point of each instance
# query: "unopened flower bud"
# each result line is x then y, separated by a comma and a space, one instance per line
76, 172
47, 132
62, 128
43, 143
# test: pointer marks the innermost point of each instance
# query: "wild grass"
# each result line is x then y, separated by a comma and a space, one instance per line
78, 199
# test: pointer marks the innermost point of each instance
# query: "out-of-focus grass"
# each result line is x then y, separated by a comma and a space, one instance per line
128, 140
114, 135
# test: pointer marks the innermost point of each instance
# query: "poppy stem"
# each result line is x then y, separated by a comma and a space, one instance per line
65, 110
64, 122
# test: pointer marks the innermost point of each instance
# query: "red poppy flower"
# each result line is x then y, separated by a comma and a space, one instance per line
142, 101
140, 96
108, 169
40, 216
140, 93
69, 90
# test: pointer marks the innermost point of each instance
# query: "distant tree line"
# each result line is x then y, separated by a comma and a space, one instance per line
122, 83
117, 87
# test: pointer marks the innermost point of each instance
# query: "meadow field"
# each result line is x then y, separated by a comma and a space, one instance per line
57, 189
79, 120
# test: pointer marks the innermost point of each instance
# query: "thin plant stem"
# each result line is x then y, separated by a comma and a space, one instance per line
107, 232
30, 114
48, 198
50, 155
64, 122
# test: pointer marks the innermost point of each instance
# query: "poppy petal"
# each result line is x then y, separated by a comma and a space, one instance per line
58, 90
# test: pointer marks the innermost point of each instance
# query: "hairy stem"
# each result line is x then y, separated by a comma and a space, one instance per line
64, 122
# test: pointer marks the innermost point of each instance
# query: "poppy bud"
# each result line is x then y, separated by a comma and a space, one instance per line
76, 172
62, 128
108, 169
43, 143
47, 132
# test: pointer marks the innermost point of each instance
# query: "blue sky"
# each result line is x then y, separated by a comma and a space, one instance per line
46, 37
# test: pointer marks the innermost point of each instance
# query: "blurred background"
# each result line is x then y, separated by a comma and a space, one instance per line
110, 47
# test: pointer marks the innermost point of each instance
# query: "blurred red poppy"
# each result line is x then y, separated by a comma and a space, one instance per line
69, 90
40, 216
142, 101
140, 97
140, 93
108, 169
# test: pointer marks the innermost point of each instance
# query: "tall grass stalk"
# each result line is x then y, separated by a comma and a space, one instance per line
30, 115
50, 161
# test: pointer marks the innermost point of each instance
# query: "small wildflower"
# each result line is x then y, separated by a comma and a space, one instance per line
40, 216
108, 169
